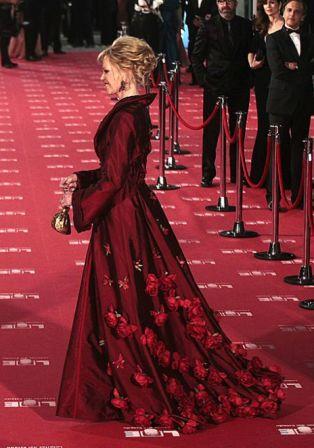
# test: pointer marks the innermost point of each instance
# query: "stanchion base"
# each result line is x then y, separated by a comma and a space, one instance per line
307, 304
172, 165
233, 234
178, 151
238, 231
222, 206
296, 280
274, 253
163, 185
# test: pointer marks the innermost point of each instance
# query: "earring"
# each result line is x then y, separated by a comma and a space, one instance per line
122, 86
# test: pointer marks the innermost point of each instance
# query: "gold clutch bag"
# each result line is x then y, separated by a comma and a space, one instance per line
61, 221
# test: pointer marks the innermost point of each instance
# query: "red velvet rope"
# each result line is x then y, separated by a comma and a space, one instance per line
286, 202
185, 123
226, 128
260, 183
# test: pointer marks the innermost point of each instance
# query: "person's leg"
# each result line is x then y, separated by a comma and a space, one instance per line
210, 138
300, 125
4, 45
260, 146
237, 102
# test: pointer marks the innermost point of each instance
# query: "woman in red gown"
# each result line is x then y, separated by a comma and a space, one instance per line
145, 346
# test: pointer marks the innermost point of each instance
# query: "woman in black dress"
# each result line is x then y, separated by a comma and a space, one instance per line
267, 21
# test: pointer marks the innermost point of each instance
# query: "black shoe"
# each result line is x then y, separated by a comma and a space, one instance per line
9, 64
59, 52
33, 58
206, 183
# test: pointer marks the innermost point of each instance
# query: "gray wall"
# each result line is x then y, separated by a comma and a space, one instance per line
246, 8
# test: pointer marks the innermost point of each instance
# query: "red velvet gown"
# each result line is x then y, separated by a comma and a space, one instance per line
145, 346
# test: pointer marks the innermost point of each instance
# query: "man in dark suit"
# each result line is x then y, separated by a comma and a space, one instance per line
290, 54
196, 12
223, 43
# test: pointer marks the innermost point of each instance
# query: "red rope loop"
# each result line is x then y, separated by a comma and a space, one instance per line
185, 123
287, 204
226, 128
260, 183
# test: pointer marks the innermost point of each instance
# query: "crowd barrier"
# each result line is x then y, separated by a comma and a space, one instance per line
168, 87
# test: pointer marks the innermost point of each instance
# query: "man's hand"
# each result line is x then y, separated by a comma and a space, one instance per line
292, 65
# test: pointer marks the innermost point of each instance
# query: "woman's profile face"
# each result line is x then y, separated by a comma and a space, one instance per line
111, 77
271, 7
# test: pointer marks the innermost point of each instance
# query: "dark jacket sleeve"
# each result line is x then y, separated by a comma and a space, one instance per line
92, 202
199, 55
276, 62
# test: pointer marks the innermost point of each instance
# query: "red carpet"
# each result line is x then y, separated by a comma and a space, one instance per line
49, 112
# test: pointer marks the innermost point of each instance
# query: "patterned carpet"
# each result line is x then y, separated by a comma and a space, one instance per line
49, 112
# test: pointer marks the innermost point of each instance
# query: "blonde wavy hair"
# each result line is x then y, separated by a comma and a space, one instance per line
131, 53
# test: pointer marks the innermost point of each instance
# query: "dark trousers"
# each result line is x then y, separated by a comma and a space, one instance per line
237, 101
32, 19
4, 48
51, 25
297, 126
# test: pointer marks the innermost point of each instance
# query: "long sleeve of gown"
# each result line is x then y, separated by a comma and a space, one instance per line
93, 201
87, 178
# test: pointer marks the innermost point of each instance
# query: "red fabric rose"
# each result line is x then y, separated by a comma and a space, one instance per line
111, 317
269, 382
172, 303
151, 285
278, 394
149, 338
201, 395
165, 420
269, 408
245, 378
181, 364
246, 411
160, 316
219, 415
158, 348
235, 398
124, 329
238, 350
195, 308
165, 358
196, 328
212, 341
142, 418
215, 377
167, 282
118, 401
185, 303
141, 378
199, 370
189, 427
174, 387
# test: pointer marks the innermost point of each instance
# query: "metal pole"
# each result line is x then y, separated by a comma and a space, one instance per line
274, 251
238, 230
162, 181
223, 205
305, 275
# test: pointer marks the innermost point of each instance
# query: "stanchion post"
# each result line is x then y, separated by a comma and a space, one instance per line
162, 181
161, 60
176, 145
274, 251
238, 230
171, 163
223, 205
305, 276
